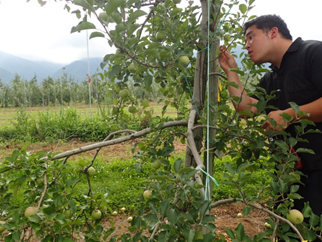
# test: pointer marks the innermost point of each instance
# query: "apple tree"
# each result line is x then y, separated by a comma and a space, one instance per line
174, 44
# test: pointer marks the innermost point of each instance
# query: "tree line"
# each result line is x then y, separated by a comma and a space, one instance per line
61, 91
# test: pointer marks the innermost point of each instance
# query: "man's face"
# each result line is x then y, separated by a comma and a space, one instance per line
257, 43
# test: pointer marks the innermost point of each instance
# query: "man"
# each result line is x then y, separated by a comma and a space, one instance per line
297, 77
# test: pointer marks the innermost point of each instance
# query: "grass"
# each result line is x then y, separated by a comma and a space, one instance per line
8, 115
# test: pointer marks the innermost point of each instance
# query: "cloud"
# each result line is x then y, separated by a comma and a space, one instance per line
43, 33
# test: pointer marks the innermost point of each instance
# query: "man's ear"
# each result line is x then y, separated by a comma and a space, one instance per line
273, 32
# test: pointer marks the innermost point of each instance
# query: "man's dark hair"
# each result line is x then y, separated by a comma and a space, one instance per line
267, 22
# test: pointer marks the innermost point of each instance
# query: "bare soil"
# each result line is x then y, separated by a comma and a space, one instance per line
226, 215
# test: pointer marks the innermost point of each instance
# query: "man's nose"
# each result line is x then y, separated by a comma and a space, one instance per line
247, 46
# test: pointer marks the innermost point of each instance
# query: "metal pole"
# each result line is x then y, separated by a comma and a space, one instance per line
89, 76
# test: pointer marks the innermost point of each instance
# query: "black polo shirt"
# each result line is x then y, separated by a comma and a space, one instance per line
299, 80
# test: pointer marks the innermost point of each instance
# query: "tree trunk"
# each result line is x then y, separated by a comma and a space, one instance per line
202, 75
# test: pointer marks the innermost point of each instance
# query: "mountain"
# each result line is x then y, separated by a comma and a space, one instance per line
10, 65
79, 69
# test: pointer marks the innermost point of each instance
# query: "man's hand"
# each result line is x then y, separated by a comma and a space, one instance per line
226, 61
280, 122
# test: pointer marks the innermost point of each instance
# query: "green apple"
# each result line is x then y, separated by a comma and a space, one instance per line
239, 215
295, 216
156, 164
147, 194
132, 109
184, 60
2, 228
68, 213
114, 213
115, 110
96, 214
267, 225
158, 79
131, 68
103, 16
123, 209
123, 93
129, 219
91, 171
160, 36
30, 211
180, 90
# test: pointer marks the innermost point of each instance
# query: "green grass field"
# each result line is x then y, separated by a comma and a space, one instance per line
8, 115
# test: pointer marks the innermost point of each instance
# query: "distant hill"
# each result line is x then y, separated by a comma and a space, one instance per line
79, 69
10, 65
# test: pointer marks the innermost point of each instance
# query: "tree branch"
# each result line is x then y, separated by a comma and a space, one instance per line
117, 140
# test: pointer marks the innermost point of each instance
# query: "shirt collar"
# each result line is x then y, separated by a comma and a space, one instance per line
293, 48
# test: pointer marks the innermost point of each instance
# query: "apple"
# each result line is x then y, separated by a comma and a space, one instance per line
129, 219
267, 225
184, 60
158, 79
103, 16
68, 213
91, 171
180, 90
160, 36
156, 164
96, 214
114, 213
239, 215
115, 110
123, 209
132, 109
131, 68
30, 211
295, 216
123, 93
147, 194
2, 228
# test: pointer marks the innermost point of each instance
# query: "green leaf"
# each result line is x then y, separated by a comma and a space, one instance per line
164, 206
244, 166
172, 215
304, 150
135, 15
83, 26
243, 8
230, 233
34, 219
85, 4
307, 211
246, 211
96, 34
295, 107
261, 105
112, 5
177, 164
230, 168
240, 72
132, 28
115, 69
288, 118
240, 232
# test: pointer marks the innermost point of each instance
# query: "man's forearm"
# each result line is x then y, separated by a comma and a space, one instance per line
313, 109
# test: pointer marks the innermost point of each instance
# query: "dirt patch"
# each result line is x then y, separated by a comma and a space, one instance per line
226, 217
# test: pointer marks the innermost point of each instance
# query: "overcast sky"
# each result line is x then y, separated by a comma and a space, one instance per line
43, 33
